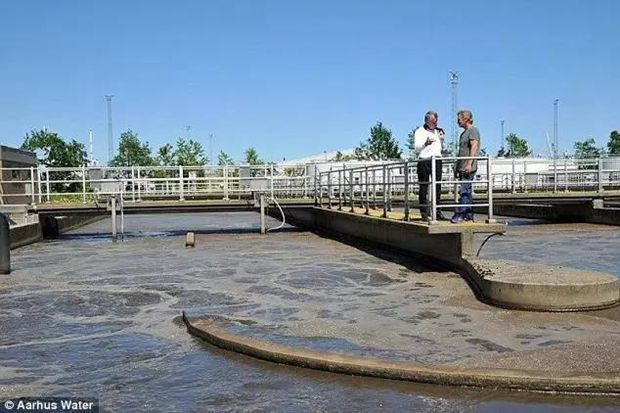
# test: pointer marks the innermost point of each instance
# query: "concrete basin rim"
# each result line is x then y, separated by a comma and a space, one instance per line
515, 380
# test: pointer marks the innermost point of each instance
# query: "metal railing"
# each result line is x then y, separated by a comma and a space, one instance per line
40, 184
376, 184
373, 186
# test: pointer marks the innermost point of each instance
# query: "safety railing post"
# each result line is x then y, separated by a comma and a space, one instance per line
374, 188
83, 184
47, 186
490, 219
384, 190
366, 196
271, 181
351, 190
113, 211
600, 175
389, 189
139, 184
225, 177
555, 174
329, 189
263, 229
433, 190
39, 185
406, 194
32, 191
340, 183
181, 191
565, 175
514, 186
133, 184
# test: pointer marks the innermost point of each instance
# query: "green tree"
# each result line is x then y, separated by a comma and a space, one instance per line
132, 152
224, 159
165, 156
341, 157
613, 146
252, 158
190, 153
586, 149
379, 146
53, 151
517, 147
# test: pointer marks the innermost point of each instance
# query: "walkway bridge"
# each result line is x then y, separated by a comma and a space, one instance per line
507, 186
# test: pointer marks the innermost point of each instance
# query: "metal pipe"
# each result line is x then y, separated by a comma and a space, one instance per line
113, 207
5, 245
351, 190
383, 182
83, 184
133, 184
271, 180
181, 197
40, 189
389, 189
32, 184
490, 218
47, 186
329, 189
225, 171
366, 196
565, 175
374, 189
600, 175
406, 170
433, 190
340, 173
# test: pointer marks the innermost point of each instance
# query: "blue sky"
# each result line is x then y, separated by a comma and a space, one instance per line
292, 78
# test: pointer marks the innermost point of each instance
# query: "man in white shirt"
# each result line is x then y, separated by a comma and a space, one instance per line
428, 142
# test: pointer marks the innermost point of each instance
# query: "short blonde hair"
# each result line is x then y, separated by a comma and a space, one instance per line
466, 115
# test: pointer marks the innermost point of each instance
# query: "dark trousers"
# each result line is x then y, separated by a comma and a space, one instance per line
466, 194
424, 176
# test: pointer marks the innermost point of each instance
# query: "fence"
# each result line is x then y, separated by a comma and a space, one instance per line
381, 185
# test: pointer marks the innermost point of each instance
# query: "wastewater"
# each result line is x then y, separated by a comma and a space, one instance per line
86, 316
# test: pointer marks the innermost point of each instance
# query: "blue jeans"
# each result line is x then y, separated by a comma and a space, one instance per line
466, 194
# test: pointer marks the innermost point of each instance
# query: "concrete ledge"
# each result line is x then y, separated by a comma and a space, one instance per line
25, 234
446, 243
540, 287
528, 380
590, 211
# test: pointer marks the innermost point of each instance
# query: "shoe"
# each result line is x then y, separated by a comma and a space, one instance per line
425, 216
468, 217
457, 219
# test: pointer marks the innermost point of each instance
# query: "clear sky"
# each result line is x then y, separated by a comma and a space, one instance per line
293, 78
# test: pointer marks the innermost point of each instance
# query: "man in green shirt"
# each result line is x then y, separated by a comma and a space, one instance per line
465, 169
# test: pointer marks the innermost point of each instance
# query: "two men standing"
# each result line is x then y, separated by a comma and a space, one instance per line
428, 142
